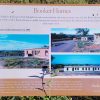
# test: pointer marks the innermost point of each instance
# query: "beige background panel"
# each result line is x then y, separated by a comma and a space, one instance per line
52, 86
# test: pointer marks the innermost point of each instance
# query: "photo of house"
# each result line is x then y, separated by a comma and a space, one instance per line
24, 51
42, 53
67, 65
75, 40
97, 38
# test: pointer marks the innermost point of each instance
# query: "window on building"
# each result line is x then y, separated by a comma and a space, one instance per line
88, 68
98, 68
78, 68
95, 68
46, 52
37, 52
75, 68
83, 68
29, 55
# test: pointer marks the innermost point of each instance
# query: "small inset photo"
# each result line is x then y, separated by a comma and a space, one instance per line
75, 40
75, 65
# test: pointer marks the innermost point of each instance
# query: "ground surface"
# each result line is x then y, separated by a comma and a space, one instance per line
81, 73
72, 46
66, 46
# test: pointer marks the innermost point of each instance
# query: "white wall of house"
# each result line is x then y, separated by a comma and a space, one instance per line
97, 38
77, 68
84, 38
65, 69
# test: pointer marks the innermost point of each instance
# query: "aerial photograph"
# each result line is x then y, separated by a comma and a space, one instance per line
75, 40
75, 65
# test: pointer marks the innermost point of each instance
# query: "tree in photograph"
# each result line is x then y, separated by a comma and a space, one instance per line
82, 31
93, 1
52, 58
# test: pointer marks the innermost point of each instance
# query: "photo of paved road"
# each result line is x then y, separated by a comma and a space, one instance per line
63, 46
75, 40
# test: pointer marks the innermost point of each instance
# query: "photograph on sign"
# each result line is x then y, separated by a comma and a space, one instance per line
75, 65
75, 40
24, 54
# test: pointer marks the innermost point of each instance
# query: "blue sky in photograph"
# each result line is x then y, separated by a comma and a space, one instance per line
76, 59
72, 30
23, 41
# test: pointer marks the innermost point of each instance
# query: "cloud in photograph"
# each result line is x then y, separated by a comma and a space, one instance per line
21, 42
3, 36
16, 45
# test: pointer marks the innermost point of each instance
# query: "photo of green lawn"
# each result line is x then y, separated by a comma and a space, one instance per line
52, 1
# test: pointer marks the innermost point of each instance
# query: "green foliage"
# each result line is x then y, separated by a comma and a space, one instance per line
82, 31
35, 98
52, 1
10, 53
80, 44
76, 1
52, 58
55, 72
23, 62
57, 37
83, 44
93, 1
86, 98
49, 98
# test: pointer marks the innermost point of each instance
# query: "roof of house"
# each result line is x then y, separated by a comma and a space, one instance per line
36, 48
